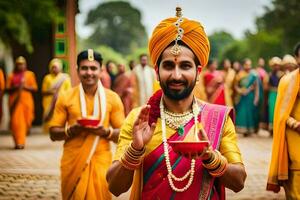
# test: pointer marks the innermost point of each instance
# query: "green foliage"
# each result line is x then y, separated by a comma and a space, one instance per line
136, 54
264, 44
23, 20
283, 15
277, 33
218, 41
118, 25
109, 54
236, 51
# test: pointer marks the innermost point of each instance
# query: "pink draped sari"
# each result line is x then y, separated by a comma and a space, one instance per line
215, 89
204, 186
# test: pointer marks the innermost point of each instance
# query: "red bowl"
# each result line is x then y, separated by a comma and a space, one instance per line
189, 148
88, 122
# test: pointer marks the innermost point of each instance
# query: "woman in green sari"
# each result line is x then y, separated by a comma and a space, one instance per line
246, 86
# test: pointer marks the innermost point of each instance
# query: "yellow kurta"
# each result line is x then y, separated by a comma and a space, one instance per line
229, 79
228, 146
92, 183
23, 113
285, 162
49, 82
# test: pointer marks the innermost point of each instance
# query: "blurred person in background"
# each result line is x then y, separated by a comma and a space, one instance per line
236, 66
264, 80
111, 68
21, 83
246, 86
145, 79
275, 76
289, 63
214, 84
228, 74
105, 77
53, 83
2, 89
123, 86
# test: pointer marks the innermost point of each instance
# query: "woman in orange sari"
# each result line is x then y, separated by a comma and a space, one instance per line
20, 85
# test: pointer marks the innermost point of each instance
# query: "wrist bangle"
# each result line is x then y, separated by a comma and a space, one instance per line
66, 131
110, 134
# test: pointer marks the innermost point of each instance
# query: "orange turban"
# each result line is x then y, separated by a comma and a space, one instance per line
166, 32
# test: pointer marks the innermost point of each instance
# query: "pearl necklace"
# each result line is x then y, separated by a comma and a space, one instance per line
189, 173
175, 120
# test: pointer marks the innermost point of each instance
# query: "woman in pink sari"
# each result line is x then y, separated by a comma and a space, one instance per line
214, 84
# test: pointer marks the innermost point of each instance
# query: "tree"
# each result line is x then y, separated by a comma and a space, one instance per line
109, 54
282, 16
236, 51
118, 25
19, 23
218, 41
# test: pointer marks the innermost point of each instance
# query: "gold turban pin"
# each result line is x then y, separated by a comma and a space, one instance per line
91, 55
175, 50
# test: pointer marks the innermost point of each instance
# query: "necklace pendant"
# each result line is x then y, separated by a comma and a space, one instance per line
181, 130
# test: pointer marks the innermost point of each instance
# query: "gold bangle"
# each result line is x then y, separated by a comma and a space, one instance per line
110, 134
292, 123
135, 151
129, 165
214, 162
221, 169
66, 131
131, 158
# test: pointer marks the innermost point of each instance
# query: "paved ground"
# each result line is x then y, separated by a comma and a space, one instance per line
33, 173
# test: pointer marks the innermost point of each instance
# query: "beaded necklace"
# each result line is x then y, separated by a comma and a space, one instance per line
175, 120
190, 173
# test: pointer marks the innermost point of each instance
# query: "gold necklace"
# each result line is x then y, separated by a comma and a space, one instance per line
175, 120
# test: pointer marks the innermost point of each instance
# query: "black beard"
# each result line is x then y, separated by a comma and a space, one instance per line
176, 94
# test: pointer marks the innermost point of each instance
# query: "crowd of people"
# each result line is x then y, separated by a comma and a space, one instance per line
142, 108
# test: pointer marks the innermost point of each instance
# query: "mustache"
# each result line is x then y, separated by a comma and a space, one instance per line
88, 76
176, 82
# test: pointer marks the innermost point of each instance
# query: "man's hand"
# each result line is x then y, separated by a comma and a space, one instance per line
75, 129
142, 132
98, 130
298, 128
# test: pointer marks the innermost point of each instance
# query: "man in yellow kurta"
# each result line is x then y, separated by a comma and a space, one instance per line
20, 85
86, 156
144, 159
53, 83
285, 163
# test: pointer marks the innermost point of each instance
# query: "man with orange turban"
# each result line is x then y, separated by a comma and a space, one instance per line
176, 146
20, 85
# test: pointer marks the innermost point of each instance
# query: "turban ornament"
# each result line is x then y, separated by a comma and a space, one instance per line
91, 55
175, 31
175, 50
